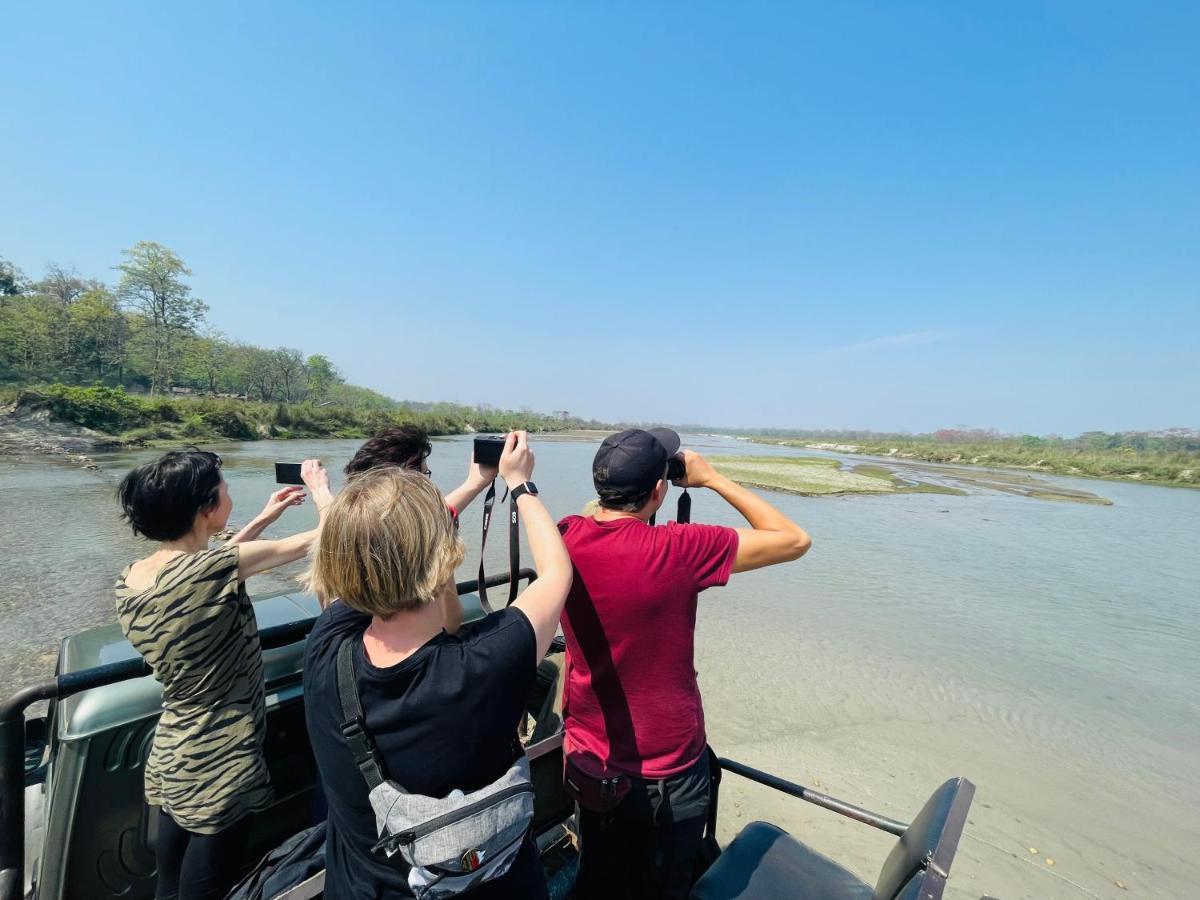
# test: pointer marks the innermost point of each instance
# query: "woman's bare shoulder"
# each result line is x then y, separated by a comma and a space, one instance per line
145, 573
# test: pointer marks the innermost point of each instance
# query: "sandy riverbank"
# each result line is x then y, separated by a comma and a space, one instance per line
821, 476
30, 432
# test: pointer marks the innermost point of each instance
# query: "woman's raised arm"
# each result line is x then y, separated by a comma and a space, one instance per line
542, 602
260, 556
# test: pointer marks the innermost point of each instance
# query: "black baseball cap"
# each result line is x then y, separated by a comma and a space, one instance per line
632, 461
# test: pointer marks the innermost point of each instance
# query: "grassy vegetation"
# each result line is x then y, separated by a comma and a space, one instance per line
814, 476
1051, 456
134, 419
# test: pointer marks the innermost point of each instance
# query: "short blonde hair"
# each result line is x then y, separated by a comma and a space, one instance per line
387, 544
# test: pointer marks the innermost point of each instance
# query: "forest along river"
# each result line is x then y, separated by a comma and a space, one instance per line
1050, 652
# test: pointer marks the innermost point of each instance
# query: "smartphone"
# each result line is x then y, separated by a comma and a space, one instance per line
488, 448
288, 473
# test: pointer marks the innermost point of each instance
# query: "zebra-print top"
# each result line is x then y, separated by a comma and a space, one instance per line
195, 627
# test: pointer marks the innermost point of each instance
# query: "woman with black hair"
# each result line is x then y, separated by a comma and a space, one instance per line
185, 609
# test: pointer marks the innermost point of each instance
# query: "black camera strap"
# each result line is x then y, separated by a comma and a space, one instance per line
683, 509
514, 545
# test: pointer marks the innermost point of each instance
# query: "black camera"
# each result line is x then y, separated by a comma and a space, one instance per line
676, 467
488, 448
288, 473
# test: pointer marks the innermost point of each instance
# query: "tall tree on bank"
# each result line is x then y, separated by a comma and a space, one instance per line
152, 284
322, 375
64, 286
12, 282
289, 370
101, 335
206, 360
258, 371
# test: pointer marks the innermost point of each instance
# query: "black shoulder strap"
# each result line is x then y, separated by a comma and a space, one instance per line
514, 547
354, 727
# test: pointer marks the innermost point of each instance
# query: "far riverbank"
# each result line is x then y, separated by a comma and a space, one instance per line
74, 422
1179, 468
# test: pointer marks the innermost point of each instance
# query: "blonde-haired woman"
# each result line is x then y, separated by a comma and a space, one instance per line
441, 709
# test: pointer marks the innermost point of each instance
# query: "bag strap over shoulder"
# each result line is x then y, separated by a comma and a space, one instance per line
354, 726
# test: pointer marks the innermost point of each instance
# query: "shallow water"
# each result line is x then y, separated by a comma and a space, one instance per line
1050, 652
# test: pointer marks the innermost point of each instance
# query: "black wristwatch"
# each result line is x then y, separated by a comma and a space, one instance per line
527, 487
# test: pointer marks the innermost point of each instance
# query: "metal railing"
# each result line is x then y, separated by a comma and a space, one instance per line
60, 687
815, 797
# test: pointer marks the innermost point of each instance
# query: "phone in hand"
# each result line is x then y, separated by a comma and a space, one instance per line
288, 473
488, 448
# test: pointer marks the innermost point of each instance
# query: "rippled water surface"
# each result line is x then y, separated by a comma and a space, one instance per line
1048, 651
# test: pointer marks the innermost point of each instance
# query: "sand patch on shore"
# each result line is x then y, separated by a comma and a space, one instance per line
818, 476
30, 431
821, 476
798, 475
885, 736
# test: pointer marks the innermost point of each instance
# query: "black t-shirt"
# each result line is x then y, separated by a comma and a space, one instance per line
444, 718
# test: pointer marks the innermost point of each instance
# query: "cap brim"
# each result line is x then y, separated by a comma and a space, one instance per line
668, 438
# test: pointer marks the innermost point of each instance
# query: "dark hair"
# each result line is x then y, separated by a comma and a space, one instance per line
160, 500
405, 446
623, 501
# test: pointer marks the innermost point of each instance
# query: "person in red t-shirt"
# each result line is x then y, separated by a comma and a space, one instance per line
632, 705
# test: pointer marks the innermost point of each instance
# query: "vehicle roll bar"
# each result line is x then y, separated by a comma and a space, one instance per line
815, 797
60, 687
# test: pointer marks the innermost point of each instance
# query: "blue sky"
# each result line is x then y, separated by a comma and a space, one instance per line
888, 215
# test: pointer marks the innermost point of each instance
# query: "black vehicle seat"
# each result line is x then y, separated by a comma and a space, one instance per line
764, 861
917, 846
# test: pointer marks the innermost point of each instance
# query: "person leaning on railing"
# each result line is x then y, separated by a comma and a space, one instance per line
441, 710
185, 610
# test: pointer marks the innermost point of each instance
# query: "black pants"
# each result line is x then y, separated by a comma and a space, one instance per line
198, 866
646, 847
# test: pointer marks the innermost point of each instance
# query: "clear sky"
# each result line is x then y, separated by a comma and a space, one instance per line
888, 215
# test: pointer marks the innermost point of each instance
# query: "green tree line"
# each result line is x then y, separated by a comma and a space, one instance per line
147, 332
1169, 440
138, 358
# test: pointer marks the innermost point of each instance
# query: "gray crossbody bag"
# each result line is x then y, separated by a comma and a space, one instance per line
448, 845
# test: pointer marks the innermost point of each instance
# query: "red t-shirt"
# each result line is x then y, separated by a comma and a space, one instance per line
632, 702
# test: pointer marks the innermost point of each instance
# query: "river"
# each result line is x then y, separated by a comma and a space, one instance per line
1050, 652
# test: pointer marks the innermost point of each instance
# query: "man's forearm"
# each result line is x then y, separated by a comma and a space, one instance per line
758, 512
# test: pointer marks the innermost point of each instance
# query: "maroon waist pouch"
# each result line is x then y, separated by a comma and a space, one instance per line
591, 786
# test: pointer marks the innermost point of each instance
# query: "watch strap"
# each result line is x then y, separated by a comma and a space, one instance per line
527, 487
